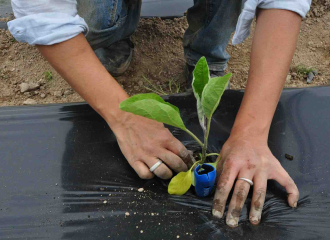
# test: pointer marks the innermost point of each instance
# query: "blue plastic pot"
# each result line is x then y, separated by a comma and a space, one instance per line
204, 179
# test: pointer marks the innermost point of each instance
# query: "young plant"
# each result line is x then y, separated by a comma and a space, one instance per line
48, 75
208, 92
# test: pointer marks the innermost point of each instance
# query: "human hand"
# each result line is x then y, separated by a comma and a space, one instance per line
248, 157
143, 142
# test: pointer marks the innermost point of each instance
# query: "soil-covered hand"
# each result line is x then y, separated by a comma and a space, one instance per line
251, 158
143, 142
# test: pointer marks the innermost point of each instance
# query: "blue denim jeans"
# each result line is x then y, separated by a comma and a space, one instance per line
211, 23
109, 20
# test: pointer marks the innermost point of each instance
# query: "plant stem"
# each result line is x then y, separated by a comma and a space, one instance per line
206, 136
212, 154
194, 165
194, 137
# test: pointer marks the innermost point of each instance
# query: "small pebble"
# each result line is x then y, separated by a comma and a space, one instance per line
105, 202
310, 77
24, 87
141, 231
42, 95
126, 213
33, 86
178, 236
30, 101
67, 92
140, 189
58, 93
289, 157
288, 78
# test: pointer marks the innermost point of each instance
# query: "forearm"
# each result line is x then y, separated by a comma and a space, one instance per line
273, 46
78, 65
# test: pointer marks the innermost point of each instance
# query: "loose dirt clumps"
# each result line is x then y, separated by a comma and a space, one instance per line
319, 8
158, 62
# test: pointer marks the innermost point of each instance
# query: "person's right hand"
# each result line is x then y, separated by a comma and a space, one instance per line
143, 142
248, 156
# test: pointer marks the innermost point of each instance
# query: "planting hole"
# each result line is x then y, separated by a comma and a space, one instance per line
205, 169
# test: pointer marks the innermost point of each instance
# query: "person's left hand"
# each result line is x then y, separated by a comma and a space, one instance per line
248, 157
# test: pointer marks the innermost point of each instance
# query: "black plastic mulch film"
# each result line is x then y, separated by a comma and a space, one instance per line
62, 176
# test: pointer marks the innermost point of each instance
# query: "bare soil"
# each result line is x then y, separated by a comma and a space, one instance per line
158, 57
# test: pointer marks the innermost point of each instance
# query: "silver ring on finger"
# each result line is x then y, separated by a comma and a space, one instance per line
246, 180
156, 165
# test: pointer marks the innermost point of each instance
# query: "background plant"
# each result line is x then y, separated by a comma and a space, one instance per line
48, 75
172, 87
208, 92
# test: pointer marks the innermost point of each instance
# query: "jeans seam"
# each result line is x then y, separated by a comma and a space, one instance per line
207, 21
208, 13
113, 13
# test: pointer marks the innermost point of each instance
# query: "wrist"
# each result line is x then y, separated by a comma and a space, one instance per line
116, 118
253, 119
112, 114
248, 128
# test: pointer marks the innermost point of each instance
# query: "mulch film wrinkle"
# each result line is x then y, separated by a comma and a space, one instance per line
62, 175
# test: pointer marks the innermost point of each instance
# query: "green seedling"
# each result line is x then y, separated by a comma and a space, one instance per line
208, 92
302, 70
48, 75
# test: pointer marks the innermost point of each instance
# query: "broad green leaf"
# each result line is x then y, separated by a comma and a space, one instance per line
212, 94
200, 79
200, 113
201, 76
180, 184
193, 178
154, 109
172, 106
192, 169
141, 96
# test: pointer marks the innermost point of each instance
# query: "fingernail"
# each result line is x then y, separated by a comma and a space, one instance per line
232, 223
254, 220
295, 205
216, 213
